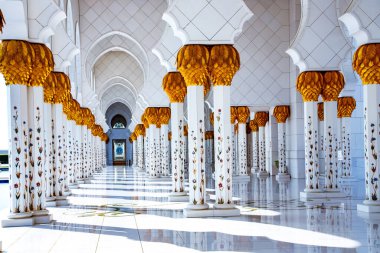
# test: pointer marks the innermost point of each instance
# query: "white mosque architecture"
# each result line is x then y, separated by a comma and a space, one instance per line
190, 126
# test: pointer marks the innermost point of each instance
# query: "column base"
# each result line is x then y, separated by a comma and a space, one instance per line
26, 219
368, 207
61, 201
283, 177
262, 174
306, 196
43, 219
212, 212
348, 179
241, 178
87, 181
153, 178
73, 186
178, 197
50, 202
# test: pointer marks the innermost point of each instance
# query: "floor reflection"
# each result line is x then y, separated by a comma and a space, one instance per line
122, 209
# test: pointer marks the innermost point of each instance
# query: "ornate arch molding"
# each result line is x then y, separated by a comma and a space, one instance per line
121, 50
113, 101
125, 43
118, 80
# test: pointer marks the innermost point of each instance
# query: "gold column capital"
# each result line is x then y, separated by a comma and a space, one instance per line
209, 135
192, 62
333, 83
366, 63
62, 88
43, 64
49, 87
175, 87
321, 113
242, 114
346, 105
223, 64
133, 136
185, 130
170, 136
233, 110
281, 113
212, 118
164, 115
261, 118
151, 114
16, 61
139, 130
309, 84
253, 125
130, 139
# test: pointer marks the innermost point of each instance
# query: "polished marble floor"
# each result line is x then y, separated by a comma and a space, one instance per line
122, 211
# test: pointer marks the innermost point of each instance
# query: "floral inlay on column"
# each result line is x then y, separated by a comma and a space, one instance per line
281, 113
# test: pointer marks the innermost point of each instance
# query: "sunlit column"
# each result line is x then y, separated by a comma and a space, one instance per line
146, 144
242, 117
249, 147
309, 84
321, 153
134, 149
69, 144
164, 114
333, 83
255, 145
233, 116
157, 138
48, 141
192, 63
346, 105
175, 87
186, 148
16, 78
281, 113
61, 95
78, 156
84, 153
261, 120
366, 64
151, 114
222, 71
140, 132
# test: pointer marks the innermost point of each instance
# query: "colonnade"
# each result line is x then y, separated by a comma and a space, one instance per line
54, 142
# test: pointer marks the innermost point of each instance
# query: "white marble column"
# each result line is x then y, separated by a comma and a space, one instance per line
140, 152
333, 83
242, 117
134, 150
70, 152
346, 105
255, 146
223, 146
146, 149
59, 188
164, 118
78, 153
49, 155
84, 153
196, 142
153, 151
321, 152
262, 119
186, 148
371, 97
330, 146
178, 149
281, 113
311, 147
36, 145
18, 151
310, 84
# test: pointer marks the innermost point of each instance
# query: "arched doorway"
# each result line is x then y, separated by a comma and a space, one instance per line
119, 149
